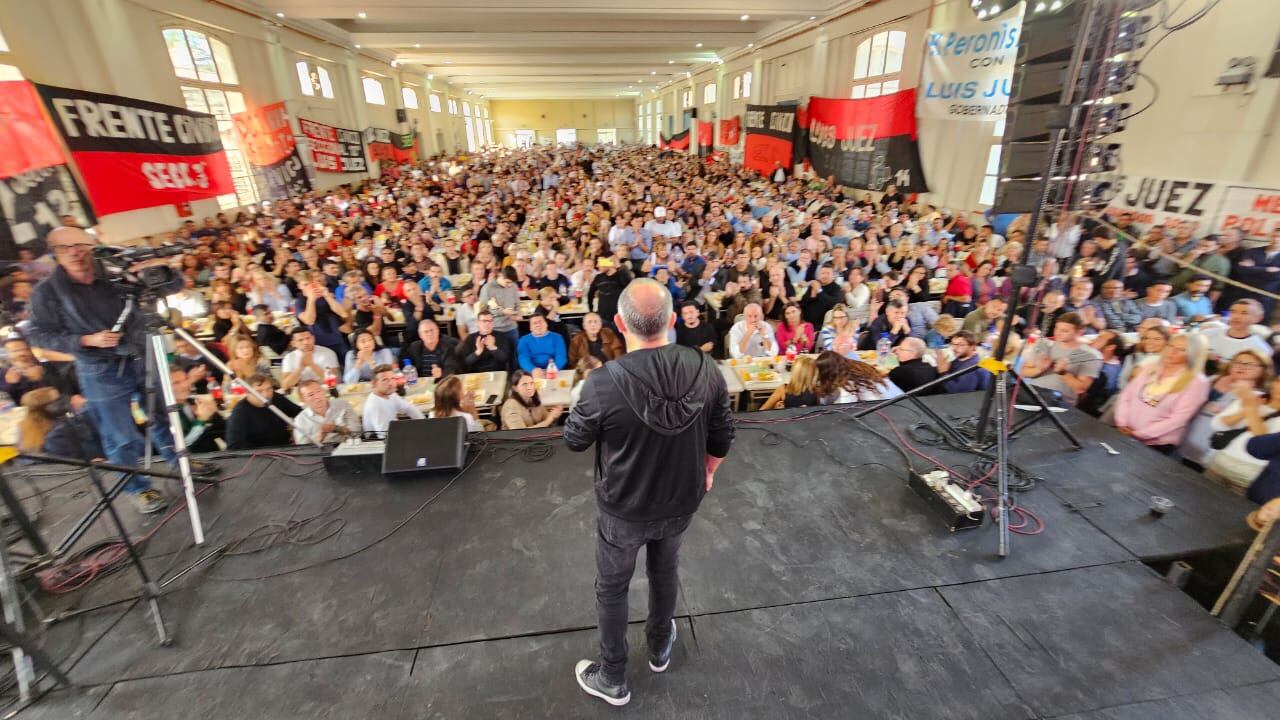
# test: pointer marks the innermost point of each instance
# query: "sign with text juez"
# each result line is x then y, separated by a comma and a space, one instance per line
968, 69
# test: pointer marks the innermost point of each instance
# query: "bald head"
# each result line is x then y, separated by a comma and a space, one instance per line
645, 310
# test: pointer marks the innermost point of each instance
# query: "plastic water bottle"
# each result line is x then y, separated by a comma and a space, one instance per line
552, 370
410, 374
883, 346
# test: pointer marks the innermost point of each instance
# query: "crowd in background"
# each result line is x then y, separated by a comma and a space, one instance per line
1159, 331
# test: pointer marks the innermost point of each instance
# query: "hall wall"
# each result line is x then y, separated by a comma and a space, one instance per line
544, 117
116, 47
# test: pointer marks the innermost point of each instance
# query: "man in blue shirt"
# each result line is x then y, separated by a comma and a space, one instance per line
965, 346
536, 351
1194, 303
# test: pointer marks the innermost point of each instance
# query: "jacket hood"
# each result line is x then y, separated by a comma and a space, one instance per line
662, 386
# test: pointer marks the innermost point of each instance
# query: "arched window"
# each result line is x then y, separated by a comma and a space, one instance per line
373, 93
466, 108
878, 60
433, 101
746, 84
709, 93
314, 80
205, 64
686, 99
453, 106
410, 98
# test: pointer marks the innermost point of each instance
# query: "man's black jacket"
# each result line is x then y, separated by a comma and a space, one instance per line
654, 416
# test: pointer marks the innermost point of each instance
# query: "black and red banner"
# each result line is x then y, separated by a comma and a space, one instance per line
392, 148
706, 137
334, 149
730, 131
771, 138
866, 143
267, 141
136, 154
679, 141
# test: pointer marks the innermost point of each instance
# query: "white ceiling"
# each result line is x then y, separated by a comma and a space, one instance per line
560, 49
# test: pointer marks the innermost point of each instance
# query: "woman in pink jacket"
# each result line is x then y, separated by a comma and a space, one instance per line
1162, 396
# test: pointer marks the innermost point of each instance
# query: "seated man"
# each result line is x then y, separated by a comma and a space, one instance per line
200, 371
537, 350
484, 350
965, 347
306, 361
982, 322
202, 424
253, 424
266, 333
892, 322
325, 419
1065, 364
1118, 312
692, 332
1238, 335
1194, 303
1157, 304
383, 404
432, 354
26, 373
752, 336
912, 370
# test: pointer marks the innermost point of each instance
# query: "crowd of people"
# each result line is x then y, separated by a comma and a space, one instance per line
870, 294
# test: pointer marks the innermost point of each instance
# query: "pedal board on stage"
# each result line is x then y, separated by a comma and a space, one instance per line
956, 505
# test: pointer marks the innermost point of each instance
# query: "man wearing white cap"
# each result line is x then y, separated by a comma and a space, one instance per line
662, 226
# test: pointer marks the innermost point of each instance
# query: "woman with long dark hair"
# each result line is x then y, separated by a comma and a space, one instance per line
841, 380
523, 407
452, 401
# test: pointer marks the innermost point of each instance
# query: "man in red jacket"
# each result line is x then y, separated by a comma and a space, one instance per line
659, 417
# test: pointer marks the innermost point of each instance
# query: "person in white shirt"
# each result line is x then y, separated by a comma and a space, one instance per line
306, 361
752, 336
663, 227
383, 404
1237, 335
325, 419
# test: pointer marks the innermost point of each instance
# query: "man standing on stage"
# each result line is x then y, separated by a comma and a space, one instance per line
73, 311
660, 419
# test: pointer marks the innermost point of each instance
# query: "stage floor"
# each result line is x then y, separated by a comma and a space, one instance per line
814, 583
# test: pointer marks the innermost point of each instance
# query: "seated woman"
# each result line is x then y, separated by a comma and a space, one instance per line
1249, 367
523, 408
800, 391
364, 358
267, 290
1253, 415
48, 429
595, 339
939, 336
451, 401
246, 358
1163, 396
793, 331
589, 364
1151, 343
839, 332
841, 380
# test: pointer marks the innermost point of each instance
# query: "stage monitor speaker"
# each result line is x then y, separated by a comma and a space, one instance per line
415, 446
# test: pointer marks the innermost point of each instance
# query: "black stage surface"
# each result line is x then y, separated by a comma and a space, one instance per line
813, 584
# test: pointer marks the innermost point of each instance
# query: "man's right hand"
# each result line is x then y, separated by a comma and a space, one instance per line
100, 339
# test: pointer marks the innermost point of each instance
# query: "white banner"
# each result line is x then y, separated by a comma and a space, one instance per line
1170, 201
968, 68
1256, 211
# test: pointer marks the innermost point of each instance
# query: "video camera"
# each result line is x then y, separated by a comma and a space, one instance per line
116, 264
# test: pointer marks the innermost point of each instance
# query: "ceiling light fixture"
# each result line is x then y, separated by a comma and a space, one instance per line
362, 15
698, 45
357, 46
279, 15
745, 18
417, 45
813, 17
653, 72
430, 76
671, 62
750, 45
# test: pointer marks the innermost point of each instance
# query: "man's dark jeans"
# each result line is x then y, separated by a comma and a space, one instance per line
617, 542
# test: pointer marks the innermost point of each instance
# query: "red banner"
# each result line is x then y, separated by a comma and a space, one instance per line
267, 141
679, 141
25, 134
771, 135
867, 143
135, 154
730, 131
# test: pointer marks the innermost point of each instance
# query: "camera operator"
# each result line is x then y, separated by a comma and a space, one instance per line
73, 311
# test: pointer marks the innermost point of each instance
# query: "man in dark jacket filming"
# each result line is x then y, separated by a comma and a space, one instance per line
660, 419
